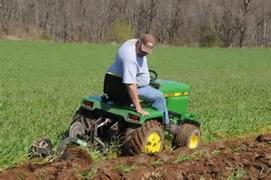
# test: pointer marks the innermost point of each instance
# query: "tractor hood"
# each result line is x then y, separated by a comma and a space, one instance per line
171, 88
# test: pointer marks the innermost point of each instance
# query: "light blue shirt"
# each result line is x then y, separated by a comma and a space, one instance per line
129, 66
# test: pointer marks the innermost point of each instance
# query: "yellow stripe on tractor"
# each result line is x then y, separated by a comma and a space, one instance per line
177, 94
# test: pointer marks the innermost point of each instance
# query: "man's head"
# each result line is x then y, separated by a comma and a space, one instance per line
145, 44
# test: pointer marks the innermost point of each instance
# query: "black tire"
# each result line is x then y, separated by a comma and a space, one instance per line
188, 136
148, 138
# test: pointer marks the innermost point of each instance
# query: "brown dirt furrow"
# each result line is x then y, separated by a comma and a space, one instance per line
247, 158
74, 160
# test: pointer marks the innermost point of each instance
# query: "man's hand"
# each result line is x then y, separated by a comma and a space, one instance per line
142, 112
132, 89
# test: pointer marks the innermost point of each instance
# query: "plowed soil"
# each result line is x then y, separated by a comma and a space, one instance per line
248, 158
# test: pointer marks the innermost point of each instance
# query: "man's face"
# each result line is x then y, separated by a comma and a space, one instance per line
140, 52
143, 53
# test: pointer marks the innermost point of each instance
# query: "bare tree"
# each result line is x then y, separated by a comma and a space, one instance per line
176, 20
245, 10
235, 22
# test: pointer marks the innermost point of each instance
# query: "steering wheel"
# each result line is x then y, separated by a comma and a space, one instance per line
153, 75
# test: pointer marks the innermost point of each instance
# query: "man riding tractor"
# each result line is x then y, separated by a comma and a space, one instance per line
128, 79
136, 107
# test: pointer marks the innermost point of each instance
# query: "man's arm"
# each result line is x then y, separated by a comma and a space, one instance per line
132, 90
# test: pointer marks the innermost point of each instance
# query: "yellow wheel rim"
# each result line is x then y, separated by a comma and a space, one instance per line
153, 143
194, 141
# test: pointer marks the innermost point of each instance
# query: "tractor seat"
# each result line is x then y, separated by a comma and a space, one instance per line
115, 90
107, 100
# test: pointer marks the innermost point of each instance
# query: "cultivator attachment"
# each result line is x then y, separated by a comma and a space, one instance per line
91, 130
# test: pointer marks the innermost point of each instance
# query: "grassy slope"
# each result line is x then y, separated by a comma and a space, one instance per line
41, 85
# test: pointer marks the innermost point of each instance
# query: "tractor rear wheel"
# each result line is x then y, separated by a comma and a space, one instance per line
148, 138
187, 136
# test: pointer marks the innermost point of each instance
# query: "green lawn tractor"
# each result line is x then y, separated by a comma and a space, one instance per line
100, 122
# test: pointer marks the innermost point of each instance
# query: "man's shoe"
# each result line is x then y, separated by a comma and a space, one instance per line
172, 128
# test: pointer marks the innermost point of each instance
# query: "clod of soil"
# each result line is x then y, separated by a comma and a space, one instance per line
241, 158
72, 161
264, 138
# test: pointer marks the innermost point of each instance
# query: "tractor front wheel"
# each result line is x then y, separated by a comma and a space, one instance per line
148, 138
188, 136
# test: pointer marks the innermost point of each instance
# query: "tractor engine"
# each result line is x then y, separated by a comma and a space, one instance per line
177, 96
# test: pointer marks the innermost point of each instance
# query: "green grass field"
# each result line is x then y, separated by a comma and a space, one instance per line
41, 85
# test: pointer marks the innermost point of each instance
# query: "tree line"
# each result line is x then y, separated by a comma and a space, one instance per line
225, 23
